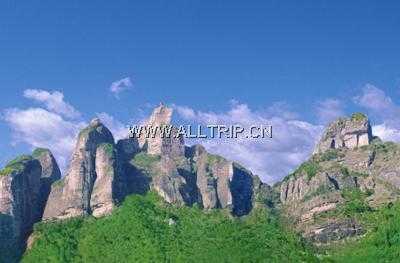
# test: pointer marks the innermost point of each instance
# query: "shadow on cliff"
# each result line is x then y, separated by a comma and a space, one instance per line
189, 192
241, 186
10, 249
136, 181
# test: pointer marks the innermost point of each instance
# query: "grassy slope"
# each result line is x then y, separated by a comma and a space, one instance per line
139, 232
380, 244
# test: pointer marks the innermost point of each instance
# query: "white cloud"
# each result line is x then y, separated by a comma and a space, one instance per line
374, 99
383, 109
117, 128
329, 109
41, 128
272, 159
52, 127
53, 101
386, 133
120, 85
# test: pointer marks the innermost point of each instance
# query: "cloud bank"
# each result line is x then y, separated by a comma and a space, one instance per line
383, 110
293, 139
55, 123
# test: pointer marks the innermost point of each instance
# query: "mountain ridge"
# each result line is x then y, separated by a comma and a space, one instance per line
350, 172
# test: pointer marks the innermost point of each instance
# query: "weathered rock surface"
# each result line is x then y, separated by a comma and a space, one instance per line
314, 197
191, 175
20, 203
334, 230
101, 174
71, 196
346, 133
105, 191
50, 173
160, 143
222, 183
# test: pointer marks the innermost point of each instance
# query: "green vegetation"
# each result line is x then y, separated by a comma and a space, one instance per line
385, 147
355, 202
310, 168
321, 190
358, 116
17, 165
59, 183
329, 155
354, 206
144, 229
145, 161
108, 148
350, 173
214, 159
381, 243
38, 152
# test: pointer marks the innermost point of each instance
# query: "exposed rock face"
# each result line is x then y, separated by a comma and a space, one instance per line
316, 194
169, 183
157, 143
101, 174
20, 202
71, 196
346, 133
50, 174
222, 183
334, 230
127, 148
105, 193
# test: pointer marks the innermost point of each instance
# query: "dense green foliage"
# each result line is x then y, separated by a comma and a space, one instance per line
355, 202
144, 229
381, 243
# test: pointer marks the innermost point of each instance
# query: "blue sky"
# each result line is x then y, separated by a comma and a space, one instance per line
297, 61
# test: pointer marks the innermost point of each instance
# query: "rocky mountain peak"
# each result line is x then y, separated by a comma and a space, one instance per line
71, 196
171, 144
161, 115
95, 122
349, 132
24, 188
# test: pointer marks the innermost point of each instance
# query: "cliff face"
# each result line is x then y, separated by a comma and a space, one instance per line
24, 188
101, 173
349, 166
50, 173
316, 196
188, 175
71, 196
222, 183
156, 143
347, 133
